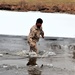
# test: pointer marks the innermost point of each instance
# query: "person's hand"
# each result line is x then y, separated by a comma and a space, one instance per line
42, 36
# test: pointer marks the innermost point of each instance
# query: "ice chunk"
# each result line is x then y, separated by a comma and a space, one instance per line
1, 55
32, 54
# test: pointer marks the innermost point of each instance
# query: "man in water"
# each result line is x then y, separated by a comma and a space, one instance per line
34, 34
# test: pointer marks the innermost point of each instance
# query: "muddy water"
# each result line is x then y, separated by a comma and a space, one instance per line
13, 61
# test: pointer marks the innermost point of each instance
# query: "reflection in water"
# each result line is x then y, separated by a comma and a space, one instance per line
33, 68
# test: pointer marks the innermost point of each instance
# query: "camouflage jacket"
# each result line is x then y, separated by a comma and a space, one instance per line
34, 34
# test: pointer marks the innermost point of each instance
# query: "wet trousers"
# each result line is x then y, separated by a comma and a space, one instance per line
33, 46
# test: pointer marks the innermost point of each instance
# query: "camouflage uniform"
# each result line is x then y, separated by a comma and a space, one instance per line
34, 36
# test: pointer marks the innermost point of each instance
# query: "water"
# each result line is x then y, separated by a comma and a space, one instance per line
55, 54
13, 63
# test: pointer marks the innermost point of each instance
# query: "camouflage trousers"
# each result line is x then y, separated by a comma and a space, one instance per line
33, 46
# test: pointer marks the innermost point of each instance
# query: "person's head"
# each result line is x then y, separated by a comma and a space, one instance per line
39, 22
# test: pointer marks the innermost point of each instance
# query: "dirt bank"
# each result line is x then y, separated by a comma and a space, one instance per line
61, 8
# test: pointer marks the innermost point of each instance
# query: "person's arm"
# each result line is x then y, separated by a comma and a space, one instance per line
42, 33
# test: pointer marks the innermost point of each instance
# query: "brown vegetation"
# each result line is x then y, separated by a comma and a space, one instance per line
23, 5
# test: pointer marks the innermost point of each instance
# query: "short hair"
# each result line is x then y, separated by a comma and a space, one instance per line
39, 20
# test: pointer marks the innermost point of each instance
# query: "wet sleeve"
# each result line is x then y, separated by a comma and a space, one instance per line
41, 32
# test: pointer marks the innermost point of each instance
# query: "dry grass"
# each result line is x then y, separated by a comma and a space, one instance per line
67, 6
47, 2
10, 1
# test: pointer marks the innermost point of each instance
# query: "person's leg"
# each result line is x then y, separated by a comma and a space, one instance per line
33, 47
32, 61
